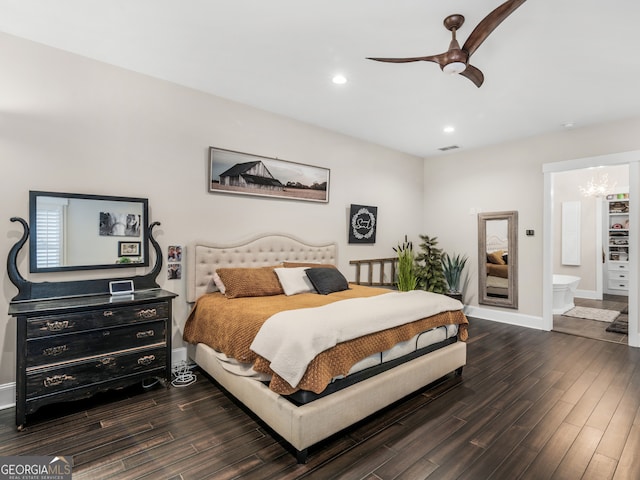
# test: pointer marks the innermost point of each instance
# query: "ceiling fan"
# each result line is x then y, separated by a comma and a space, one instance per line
456, 59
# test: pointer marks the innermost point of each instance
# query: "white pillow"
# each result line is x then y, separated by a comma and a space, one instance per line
294, 280
218, 281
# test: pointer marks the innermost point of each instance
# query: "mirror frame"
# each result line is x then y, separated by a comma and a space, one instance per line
33, 196
512, 237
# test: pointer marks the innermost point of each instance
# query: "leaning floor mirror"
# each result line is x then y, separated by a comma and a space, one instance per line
498, 259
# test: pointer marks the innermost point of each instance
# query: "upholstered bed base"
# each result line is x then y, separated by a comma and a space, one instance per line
305, 425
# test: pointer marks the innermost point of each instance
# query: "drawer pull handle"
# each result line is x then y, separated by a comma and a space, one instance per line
146, 360
147, 333
148, 313
53, 351
56, 380
57, 326
108, 313
107, 361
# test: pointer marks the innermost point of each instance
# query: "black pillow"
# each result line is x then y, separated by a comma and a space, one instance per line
327, 280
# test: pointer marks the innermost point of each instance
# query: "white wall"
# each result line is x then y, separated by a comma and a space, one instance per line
70, 124
509, 177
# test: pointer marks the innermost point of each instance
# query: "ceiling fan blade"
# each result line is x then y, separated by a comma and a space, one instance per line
431, 58
473, 74
489, 24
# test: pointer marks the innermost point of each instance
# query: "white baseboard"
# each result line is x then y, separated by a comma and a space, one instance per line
8, 390
7, 395
503, 316
589, 294
178, 355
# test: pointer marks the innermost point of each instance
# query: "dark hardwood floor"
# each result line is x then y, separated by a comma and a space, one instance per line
530, 405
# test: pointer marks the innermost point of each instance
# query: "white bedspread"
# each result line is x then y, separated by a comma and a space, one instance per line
290, 340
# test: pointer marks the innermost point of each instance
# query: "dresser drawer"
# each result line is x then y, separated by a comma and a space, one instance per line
615, 275
92, 319
60, 348
618, 284
48, 381
619, 266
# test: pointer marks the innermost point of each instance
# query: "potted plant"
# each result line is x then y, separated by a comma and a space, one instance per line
429, 266
452, 267
406, 275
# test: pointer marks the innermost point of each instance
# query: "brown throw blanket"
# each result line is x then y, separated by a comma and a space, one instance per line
229, 326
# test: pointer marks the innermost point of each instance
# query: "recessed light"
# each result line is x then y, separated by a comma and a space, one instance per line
569, 124
339, 79
449, 129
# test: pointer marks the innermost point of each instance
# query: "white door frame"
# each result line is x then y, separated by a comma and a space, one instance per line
633, 159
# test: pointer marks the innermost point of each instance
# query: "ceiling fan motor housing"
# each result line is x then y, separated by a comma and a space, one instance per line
453, 22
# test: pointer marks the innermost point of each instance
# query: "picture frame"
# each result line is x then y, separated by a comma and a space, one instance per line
129, 249
239, 173
174, 271
363, 224
174, 253
118, 224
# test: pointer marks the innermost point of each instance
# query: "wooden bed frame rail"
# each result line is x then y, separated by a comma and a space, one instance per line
381, 264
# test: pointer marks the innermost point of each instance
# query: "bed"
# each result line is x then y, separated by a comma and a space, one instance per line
307, 412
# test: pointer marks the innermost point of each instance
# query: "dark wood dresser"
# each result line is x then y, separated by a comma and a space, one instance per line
74, 339
72, 348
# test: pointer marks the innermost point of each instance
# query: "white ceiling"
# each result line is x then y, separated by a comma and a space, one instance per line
549, 63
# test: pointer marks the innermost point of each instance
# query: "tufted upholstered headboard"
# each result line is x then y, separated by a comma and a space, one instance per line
495, 242
204, 257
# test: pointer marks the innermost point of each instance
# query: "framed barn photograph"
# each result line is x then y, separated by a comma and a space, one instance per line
246, 174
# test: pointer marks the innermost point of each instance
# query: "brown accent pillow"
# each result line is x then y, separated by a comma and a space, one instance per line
308, 265
250, 282
496, 257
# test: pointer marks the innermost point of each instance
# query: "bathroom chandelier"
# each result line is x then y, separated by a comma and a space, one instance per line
598, 186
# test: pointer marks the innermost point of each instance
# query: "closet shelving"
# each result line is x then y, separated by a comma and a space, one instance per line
617, 243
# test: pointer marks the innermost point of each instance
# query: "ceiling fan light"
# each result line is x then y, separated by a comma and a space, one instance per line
454, 67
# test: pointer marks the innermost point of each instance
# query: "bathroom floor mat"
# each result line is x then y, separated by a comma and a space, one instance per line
619, 325
599, 314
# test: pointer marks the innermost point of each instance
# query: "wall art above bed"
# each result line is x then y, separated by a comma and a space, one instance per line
362, 224
246, 174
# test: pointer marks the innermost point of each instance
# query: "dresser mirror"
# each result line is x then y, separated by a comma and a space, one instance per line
70, 231
498, 259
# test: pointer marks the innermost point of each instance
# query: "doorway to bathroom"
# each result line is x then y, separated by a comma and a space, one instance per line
586, 301
586, 251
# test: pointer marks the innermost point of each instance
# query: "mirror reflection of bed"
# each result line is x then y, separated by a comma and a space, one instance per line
498, 264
